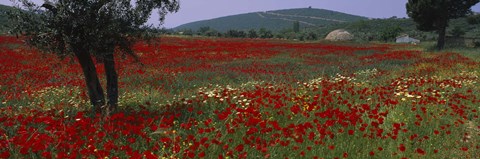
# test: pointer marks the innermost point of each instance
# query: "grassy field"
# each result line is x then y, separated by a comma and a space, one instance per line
246, 98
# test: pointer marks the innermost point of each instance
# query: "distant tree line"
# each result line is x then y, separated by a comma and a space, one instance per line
383, 30
232, 33
294, 33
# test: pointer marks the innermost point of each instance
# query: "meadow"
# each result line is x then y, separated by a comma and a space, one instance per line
245, 98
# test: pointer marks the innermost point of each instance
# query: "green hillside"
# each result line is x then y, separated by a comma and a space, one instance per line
274, 20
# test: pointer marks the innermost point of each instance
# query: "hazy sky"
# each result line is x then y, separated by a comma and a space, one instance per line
194, 10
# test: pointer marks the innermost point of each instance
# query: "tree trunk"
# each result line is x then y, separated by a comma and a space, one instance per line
95, 91
112, 81
441, 38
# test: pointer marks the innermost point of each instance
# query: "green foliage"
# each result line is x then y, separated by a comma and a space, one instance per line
306, 36
373, 30
4, 22
286, 34
252, 33
296, 26
265, 34
457, 31
273, 20
203, 30
235, 34
207, 31
471, 30
95, 26
474, 19
369, 30
476, 44
434, 15
390, 33
311, 36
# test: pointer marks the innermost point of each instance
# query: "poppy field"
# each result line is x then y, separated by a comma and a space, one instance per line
245, 98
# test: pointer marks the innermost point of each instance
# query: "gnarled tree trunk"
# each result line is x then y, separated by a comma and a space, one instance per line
95, 91
112, 81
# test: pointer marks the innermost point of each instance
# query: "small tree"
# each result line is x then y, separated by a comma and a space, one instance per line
265, 34
207, 31
232, 33
203, 30
434, 15
242, 34
252, 33
296, 27
212, 32
311, 36
188, 32
390, 33
86, 28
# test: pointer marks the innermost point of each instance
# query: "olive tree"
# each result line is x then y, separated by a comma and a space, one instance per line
87, 29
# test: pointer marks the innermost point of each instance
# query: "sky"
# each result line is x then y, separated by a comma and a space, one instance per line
195, 10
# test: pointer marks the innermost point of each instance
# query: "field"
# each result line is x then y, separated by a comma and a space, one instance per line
245, 98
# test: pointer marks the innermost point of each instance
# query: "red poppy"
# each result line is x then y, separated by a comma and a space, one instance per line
331, 147
401, 147
239, 148
420, 151
201, 154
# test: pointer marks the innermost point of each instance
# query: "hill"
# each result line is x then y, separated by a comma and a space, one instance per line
274, 20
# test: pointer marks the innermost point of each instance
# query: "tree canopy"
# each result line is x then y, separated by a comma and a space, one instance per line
59, 25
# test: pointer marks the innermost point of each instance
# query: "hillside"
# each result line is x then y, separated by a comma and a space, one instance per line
274, 20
